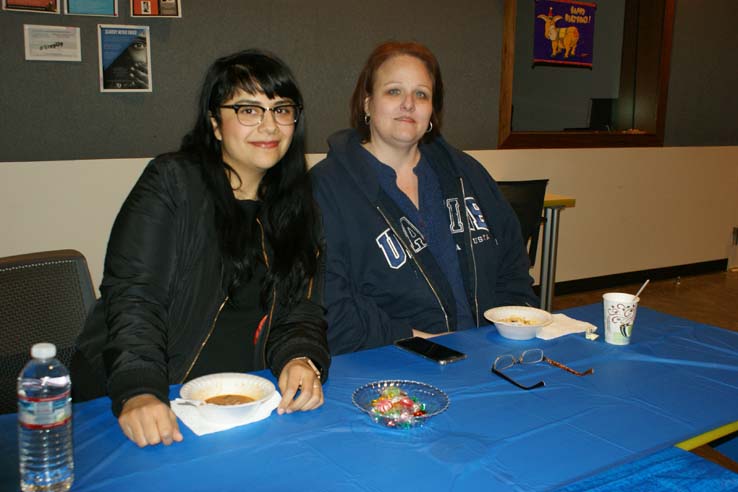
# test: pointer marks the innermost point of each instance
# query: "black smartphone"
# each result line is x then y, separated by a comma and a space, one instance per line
430, 350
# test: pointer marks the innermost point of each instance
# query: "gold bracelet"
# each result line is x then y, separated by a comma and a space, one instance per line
311, 364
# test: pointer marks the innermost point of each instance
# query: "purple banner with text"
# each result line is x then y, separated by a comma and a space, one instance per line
564, 32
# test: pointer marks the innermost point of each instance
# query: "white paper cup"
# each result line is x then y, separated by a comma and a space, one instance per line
620, 313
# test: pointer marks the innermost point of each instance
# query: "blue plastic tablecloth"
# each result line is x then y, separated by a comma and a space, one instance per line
677, 379
671, 469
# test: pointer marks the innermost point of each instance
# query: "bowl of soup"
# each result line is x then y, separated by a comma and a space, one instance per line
518, 322
228, 397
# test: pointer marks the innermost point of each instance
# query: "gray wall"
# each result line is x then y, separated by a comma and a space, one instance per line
54, 111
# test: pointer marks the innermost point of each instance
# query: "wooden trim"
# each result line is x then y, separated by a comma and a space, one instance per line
664, 68
564, 140
654, 137
507, 70
711, 454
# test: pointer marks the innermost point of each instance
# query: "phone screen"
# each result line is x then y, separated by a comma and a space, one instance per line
431, 350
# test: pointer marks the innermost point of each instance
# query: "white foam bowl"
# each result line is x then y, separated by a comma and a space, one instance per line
228, 383
518, 331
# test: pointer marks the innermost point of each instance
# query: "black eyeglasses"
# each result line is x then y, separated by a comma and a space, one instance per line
253, 115
532, 356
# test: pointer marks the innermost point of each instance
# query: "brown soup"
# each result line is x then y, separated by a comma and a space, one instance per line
229, 399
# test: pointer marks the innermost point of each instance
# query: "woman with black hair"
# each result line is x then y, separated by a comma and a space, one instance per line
213, 260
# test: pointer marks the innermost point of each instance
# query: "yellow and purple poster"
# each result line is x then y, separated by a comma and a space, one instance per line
564, 32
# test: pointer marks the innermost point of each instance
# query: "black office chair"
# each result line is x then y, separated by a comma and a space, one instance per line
44, 297
526, 198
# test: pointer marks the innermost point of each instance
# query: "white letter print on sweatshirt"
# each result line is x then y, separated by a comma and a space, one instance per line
395, 254
391, 247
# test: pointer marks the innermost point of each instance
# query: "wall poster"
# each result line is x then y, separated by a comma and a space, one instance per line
52, 43
564, 32
108, 8
43, 6
156, 8
124, 58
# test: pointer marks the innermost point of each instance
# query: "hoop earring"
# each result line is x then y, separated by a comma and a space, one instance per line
366, 119
430, 127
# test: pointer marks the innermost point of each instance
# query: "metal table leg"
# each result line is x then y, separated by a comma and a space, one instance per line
549, 248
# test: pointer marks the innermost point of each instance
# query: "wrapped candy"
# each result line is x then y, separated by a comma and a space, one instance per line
395, 408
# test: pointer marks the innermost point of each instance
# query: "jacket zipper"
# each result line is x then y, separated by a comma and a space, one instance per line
274, 294
409, 252
202, 345
471, 248
274, 299
215, 319
268, 327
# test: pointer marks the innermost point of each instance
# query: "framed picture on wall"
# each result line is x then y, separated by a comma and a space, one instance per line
124, 55
107, 8
156, 8
52, 43
41, 6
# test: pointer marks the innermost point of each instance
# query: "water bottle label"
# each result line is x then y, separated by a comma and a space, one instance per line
44, 413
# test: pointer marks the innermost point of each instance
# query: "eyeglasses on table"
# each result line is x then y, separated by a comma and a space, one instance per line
532, 356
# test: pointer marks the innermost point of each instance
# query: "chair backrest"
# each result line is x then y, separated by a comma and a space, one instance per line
526, 198
44, 297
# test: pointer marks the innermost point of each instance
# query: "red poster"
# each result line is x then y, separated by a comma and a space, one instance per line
49, 6
145, 7
156, 8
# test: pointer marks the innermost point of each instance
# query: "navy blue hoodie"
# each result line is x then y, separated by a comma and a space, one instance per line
381, 278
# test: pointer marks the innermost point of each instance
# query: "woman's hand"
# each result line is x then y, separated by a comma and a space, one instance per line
296, 375
147, 420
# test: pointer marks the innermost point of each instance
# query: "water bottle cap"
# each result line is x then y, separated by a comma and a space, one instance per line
43, 351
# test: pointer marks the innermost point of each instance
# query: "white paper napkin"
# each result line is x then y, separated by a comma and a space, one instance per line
189, 415
564, 325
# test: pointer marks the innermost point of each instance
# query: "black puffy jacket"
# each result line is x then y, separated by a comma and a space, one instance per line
164, 285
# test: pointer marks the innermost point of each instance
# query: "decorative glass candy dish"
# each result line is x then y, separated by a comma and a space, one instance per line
400, 404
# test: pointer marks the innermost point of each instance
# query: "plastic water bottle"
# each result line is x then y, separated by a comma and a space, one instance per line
45, 423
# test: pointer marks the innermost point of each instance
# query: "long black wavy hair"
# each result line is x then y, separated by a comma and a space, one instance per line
288, 213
